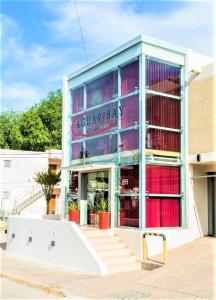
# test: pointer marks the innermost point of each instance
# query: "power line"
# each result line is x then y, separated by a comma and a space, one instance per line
81, 32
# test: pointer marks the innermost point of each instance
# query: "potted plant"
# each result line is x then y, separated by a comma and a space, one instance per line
73, 212
92, 217
104, 214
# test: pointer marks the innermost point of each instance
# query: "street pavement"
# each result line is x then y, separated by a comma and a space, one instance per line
189, 273
12, 290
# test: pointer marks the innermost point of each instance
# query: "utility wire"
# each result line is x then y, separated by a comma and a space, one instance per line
81, 32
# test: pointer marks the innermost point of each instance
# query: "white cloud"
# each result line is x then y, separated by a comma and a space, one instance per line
108, 24
19, 94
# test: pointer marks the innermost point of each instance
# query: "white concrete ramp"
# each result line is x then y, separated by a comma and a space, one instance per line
59, 243
115, 254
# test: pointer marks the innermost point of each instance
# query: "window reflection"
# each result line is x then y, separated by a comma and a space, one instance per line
102, 89
129, 140
101, 146
77, 151
129, 180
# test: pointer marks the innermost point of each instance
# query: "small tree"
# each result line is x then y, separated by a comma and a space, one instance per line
47, 180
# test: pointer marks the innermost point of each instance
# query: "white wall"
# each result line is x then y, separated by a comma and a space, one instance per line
19, 178
37, 208
72, 251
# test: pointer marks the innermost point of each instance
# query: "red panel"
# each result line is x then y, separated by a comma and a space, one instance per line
170, 210
163, 140
162, 180
163, 111
162, 212
152, 212
163, 77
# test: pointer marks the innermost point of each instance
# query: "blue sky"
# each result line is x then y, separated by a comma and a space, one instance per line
41, 40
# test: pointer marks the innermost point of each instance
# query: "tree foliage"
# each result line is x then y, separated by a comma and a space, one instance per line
37, 129
47, 180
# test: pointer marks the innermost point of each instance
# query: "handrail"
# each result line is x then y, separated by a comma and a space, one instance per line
144, 245
27, 194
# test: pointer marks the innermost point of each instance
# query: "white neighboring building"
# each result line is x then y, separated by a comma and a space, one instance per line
19, 193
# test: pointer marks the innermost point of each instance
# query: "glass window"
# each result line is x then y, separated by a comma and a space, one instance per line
102, 145
163, 111
77, 100
102, 89
162, 77
74, 183
162, 180
5, 195
96, 121
162, 140
77, 151
129, 140
130, 78
130, 111
7, 163
129, 211
129, 181
162, 212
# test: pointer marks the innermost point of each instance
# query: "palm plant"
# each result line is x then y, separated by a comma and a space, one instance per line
48, 180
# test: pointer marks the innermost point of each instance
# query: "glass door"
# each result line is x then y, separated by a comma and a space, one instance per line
212, 205
97, 188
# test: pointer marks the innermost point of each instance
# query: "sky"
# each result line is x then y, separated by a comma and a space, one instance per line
41, 40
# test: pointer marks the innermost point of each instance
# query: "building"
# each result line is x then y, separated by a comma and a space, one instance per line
20, 194
202, 147
125, 135
126, 139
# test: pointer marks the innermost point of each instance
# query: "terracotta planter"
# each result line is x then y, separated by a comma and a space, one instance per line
104, 219
122, 217
74, 216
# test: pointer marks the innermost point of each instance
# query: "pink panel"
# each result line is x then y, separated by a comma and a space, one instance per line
130, 140
130, 108
77, 99
130, 78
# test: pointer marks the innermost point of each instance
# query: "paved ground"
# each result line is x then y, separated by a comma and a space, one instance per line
189, 274
12, 290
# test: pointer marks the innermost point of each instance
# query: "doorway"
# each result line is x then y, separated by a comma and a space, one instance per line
94, 188
212, 205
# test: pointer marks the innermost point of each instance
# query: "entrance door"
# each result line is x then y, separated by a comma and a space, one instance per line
212, 205
97, 189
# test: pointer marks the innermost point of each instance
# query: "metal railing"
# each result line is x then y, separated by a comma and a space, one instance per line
144, 245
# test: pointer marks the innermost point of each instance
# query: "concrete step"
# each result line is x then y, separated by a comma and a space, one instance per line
123, 260
96, 233
108, 246
104, 240
119, 268
115, 252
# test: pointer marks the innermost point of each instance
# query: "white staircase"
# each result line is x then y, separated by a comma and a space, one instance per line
27, 199
115, 254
